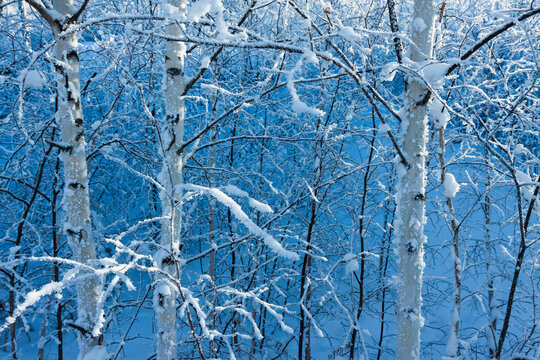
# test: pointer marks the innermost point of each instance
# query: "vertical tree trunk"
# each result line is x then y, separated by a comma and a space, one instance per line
493, 311
235, 320
42, 333
212, 223
523, 229
56, 268
361, 232
383, 267
452, 348
76, 202
166, 293
411, 190
304, 352
305, 289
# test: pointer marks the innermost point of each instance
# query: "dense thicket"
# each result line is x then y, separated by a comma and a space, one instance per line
252, 170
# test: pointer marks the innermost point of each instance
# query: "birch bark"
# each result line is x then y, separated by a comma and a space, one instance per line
452, 348
76, 202
165, 292
411, 190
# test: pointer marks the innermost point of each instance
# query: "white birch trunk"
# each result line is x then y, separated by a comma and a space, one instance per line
452, 348
165, 292
411, 191
76, 204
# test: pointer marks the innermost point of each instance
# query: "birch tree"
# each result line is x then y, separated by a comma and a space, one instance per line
411, 188
172, 133
76, 203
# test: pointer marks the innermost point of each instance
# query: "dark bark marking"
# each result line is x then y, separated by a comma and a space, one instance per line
76, 185
174, 71
424, 100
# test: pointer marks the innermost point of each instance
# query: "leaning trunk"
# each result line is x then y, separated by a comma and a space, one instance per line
76, 204
165, 292
411, 191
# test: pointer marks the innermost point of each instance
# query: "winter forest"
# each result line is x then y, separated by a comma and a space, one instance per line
269, 179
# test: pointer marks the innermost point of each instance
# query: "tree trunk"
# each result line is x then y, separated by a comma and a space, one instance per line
165, 292
361, 232
383, 267
76, 203
452, 348
411, 190
56, 268
493, 311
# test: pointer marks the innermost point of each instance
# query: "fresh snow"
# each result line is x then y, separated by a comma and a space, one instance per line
351, 263
438, 114
525, 182
389, 71
32, 79
96, 353
298, 105
451, 186
383, 127
258, 147
257, 205
197, 10
237, 211
435, 72
419, 25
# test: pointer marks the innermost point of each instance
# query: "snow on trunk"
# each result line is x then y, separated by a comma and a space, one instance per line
451, 187
410, 195
165, 292
76, 204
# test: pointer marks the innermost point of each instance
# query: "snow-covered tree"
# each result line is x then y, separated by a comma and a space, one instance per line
172, 136
77, 225
411, 188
